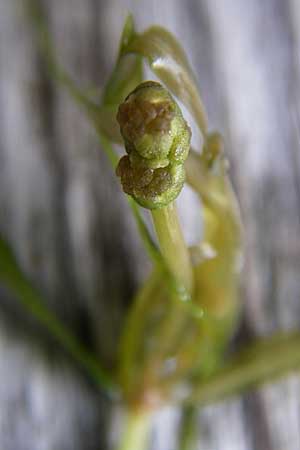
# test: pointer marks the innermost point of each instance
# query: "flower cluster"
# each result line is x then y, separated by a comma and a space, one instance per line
157, 142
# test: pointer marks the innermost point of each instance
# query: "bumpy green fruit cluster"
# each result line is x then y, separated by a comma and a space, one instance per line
157, 142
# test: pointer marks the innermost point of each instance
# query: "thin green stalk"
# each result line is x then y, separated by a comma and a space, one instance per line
262, 362
172, 244
133, 329
13, 278
188, 435
177, 260
136, 432
37, 16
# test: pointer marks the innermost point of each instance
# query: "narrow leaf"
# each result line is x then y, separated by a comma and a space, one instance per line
126, 75
263, 361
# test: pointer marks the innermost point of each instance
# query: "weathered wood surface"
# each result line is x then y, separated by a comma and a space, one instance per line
63, 211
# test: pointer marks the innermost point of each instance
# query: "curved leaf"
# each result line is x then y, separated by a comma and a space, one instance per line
169, 62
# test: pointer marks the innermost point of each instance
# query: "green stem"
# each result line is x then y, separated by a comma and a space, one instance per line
188, 429
130, 341
14, 279
136, 432
172, 244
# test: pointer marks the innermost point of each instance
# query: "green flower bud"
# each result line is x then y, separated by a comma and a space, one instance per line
157, 141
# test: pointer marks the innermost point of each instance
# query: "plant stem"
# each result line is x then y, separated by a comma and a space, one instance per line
15, 280
188, 430
172, 244
136, 432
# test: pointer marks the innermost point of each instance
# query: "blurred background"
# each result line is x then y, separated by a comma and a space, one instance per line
62, 210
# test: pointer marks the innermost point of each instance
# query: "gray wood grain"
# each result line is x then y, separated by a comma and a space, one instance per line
64, 214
